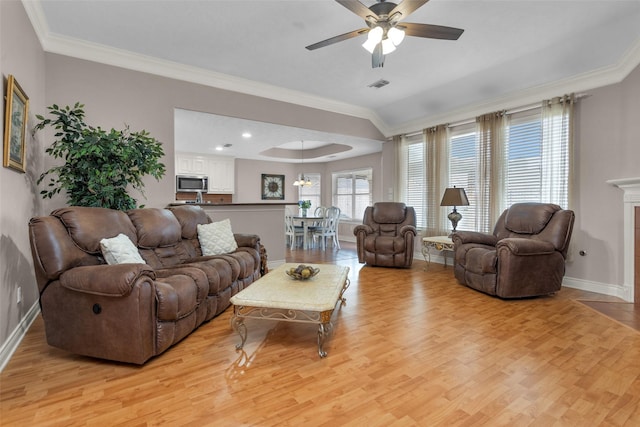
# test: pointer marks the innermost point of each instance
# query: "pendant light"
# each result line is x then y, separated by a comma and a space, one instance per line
302, 181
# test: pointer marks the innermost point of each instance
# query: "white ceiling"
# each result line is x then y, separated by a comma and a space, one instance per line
509, 49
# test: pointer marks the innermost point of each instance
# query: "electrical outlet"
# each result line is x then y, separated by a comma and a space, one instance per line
19, 295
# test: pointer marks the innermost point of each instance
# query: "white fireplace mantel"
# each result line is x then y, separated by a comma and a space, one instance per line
631, 199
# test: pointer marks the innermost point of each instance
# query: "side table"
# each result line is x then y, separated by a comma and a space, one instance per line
440, 243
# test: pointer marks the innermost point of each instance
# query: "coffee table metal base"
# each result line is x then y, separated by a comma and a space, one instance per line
321, 318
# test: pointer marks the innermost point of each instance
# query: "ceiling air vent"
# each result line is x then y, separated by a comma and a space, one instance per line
380, 83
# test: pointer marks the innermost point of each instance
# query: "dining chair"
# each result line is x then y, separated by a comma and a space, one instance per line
329, 227
292, 231
320, 211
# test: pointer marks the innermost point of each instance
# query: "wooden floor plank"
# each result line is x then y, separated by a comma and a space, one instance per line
409, 347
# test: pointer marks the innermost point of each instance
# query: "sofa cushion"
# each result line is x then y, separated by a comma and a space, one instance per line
120, 250
389, 212
189, 217
87, 226
155, 227
217, 238
529, 218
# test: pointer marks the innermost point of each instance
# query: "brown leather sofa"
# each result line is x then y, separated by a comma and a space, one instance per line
525, 255
132, 312
386, 236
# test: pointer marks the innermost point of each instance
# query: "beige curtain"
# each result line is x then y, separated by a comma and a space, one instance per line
400, 176
437, 178
490, 187
557, 150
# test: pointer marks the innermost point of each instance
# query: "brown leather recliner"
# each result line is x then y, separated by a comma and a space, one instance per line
386, 236
525, 255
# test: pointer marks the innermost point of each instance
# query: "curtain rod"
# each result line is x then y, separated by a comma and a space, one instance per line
516, 110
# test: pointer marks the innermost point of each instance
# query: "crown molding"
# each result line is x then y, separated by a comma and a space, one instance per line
604, 76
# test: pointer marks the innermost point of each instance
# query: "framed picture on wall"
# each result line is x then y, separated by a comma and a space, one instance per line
272, 187
15, 125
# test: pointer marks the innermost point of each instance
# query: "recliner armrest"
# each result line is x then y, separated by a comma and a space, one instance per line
523, 247
462, 237
407, 229
107, 280
363, 228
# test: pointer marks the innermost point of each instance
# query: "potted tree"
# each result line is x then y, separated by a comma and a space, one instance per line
99, 166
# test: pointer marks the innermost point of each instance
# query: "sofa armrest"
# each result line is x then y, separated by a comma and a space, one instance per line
462, 237
248, 240
523, 247
107, 280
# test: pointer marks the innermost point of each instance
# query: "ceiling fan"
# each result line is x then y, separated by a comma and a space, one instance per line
385, 29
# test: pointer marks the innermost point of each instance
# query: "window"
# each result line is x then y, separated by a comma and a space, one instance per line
352, 192
312, 192
524, 160
531, 164
416, 179
463, 172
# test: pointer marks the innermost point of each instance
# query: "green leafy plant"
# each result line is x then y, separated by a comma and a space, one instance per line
304, 204
99, 166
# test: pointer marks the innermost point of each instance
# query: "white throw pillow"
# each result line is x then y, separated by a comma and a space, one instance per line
120, 250
216, 238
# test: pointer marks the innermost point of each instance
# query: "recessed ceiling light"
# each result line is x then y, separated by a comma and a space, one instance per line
246, 134
218, 148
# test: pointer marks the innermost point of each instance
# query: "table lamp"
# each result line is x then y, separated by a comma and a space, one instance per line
454, 197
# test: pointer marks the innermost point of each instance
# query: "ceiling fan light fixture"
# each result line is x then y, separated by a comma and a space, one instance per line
387, 46
396, 35
369, 45
375, 34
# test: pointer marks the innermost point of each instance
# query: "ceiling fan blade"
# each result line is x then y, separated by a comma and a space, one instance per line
407, 7
337, 39
377, 58
358, 8
430, 31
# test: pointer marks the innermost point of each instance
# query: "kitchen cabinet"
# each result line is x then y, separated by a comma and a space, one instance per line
191, 164
221, 175
219, 169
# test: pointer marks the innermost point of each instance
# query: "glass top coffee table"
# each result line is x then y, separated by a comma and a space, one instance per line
276, 296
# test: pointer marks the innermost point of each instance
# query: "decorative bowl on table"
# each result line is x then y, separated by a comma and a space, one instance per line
302, 272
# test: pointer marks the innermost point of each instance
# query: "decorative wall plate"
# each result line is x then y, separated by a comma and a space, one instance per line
272, 187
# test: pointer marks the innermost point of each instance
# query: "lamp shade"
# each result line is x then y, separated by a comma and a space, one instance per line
396, 35
454, 197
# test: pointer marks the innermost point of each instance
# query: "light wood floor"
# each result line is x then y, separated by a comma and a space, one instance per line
410, 347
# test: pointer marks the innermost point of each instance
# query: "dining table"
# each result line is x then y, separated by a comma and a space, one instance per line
305, 222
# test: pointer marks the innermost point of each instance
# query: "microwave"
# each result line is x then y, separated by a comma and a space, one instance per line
192, 183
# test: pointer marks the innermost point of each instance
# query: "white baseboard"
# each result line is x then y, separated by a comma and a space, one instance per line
12, 343
597, 287
570, 282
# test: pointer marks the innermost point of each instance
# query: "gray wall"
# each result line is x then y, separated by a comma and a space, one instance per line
21, 56
607, 148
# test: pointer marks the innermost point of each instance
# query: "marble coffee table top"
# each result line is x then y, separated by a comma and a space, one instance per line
277, 290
